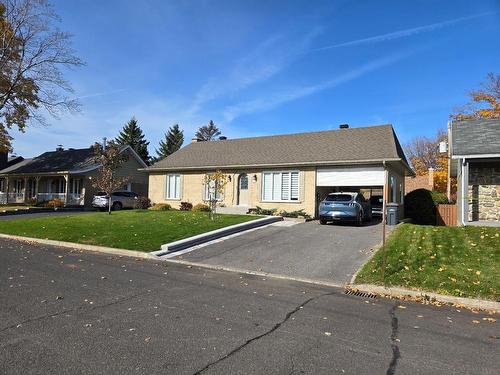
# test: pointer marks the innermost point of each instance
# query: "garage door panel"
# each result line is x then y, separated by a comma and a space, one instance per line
367, 176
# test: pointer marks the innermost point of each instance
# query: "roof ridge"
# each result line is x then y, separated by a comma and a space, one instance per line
300, 133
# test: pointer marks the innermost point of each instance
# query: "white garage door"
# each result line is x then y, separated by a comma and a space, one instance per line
363, 176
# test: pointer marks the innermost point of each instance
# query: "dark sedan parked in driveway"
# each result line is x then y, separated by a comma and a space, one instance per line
345, 207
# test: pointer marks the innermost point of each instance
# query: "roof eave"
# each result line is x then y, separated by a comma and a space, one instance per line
274, 165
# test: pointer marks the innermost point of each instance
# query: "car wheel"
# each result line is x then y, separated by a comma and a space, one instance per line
360, 219
322, 222
117, 206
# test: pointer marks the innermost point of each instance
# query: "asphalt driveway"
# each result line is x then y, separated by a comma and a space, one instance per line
307, 250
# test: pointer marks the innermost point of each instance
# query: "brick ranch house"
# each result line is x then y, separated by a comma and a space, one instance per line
286, 172
63, 174
475, 161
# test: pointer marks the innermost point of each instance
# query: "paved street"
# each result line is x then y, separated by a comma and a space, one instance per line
331, 252
68, 312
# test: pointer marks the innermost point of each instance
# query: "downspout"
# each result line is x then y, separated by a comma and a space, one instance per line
384, 207
464, 198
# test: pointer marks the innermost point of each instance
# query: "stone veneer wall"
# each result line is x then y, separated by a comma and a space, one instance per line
484, 193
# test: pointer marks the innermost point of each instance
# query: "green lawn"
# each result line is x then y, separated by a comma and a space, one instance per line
461, 261
142, 230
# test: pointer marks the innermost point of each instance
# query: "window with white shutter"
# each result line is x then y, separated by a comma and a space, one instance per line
210, 190
294, 186
267, 187
280, 186
173, 186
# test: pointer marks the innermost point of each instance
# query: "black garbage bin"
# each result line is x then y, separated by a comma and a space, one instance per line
392, 213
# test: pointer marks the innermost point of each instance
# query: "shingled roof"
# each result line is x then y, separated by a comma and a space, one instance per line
364, 144
56, 161
475, 137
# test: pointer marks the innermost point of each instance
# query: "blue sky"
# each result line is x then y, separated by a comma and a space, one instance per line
269, 67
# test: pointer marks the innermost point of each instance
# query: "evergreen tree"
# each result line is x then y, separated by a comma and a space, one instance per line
208, 132
173, 141
133, 136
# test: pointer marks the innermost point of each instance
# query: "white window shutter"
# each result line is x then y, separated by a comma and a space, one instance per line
267, 185
294, 190
285, 186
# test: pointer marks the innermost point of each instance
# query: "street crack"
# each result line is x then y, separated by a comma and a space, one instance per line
394, 341
72, 310
258, 337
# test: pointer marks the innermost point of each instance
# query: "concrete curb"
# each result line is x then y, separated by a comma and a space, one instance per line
77, 246
214, 235
36, 210
254, 273
397, 292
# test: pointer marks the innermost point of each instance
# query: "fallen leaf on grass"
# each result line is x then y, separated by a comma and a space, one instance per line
491, 320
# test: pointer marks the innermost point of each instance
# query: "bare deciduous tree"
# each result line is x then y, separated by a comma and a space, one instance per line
423, 152
110, 157
33, 53
215, 184
208, 132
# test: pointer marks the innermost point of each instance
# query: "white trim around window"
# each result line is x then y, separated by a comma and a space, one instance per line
280, 186
173, 187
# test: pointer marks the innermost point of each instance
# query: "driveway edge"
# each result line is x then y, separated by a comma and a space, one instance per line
214, 235
250, 272
399, 293
78, 246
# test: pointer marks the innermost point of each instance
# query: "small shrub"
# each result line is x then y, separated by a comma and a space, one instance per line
439, 198
201, 207
420, 205
161, 207
295, 214
41, 204
262, 211
142, 203
31, 201
55, 203
186, 206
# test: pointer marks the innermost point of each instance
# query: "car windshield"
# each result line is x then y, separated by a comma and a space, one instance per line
101, 194
339, 198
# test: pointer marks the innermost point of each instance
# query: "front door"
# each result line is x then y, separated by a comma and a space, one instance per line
243, 190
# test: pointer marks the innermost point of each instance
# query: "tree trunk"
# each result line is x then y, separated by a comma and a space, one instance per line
109, 204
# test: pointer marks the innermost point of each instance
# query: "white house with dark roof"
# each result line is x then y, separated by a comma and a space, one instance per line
475, 161
287, 172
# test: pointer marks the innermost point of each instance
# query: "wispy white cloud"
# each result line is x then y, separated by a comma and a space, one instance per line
267, 102
104, 93
401, 33
267, 59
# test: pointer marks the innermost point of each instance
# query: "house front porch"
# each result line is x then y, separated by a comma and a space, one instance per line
31, 190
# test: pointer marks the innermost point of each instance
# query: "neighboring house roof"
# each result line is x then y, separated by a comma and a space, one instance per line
356, 145
475, 138
14, 160
15, 166
69, 161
